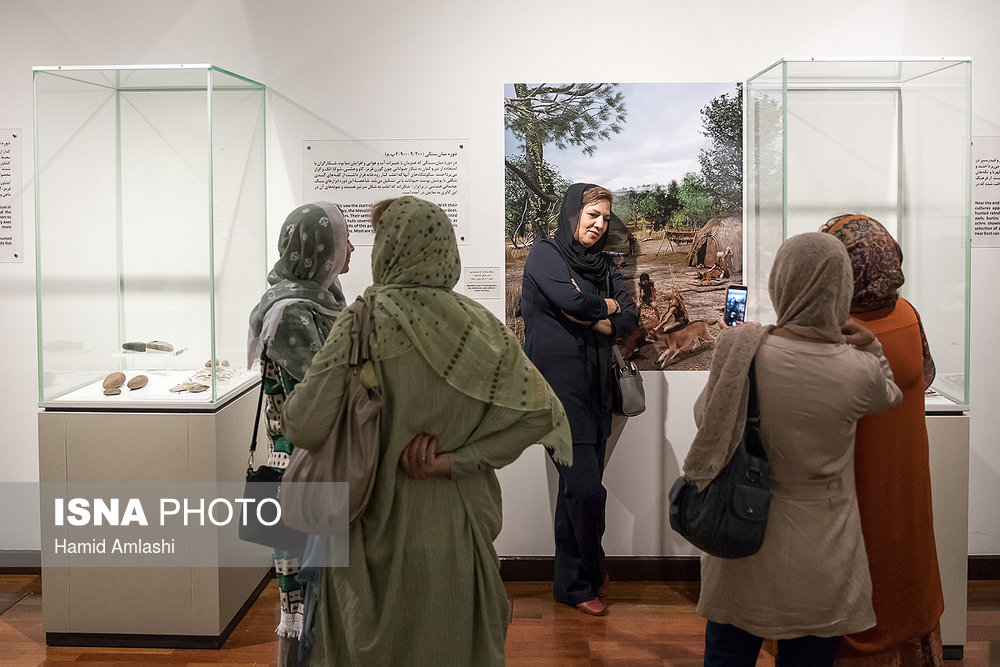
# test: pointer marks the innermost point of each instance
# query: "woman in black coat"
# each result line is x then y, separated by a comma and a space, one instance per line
574, 304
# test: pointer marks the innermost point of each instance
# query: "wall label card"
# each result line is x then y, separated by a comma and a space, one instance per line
483, 282
986, 192
11, 223
356, 174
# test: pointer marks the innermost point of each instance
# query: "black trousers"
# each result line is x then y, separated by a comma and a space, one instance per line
579, 525
730, 646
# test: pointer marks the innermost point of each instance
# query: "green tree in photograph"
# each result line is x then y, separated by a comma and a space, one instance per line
764, 116
722, 162
659, 204
517, 199
573, 114
627, 205
697, 204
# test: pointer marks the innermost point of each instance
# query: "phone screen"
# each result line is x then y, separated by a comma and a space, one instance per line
736, 305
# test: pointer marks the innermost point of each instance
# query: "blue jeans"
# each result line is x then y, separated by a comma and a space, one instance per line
729, 646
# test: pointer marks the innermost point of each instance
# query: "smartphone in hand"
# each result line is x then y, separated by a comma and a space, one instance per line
736, 305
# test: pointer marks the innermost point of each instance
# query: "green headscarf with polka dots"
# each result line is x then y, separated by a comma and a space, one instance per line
415, 265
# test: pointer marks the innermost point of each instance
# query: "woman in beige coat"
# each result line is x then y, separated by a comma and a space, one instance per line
818, 372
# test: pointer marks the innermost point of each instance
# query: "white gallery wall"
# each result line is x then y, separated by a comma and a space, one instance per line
435, 69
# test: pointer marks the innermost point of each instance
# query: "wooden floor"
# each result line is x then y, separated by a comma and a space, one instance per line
649, 623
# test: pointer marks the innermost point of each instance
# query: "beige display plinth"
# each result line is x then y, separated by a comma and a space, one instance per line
146, 606
949, 460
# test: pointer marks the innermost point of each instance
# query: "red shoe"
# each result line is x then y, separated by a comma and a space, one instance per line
592, 607
602, 592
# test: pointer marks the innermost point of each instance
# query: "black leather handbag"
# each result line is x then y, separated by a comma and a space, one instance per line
263, 483
728, 518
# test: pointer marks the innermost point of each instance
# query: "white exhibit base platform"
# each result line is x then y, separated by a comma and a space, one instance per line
949, 460
189, 607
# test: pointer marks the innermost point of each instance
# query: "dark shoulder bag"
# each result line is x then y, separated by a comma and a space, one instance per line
263, 484
728, 518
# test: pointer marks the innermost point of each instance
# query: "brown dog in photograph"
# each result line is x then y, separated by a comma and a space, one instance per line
672, 343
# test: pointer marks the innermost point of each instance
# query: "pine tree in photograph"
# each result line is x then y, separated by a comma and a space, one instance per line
573, 114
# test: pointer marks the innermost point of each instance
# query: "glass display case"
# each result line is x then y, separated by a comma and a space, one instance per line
889, 139
150, 234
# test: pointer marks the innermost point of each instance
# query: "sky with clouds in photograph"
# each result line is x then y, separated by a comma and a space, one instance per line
660, 141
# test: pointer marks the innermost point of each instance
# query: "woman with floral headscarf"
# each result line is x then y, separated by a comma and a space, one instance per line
891, 464
287, 328
575, 304
423, 583
817, 373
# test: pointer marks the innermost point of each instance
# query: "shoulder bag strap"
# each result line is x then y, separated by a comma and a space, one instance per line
753, 409
754, 442
360, 332
256, 424
364, 326
619, 359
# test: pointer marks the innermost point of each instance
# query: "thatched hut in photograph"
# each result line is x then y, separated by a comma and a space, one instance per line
717, 235
618, 234
618, 246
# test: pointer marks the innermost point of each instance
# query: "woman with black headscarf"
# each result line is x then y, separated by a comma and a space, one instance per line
575, 304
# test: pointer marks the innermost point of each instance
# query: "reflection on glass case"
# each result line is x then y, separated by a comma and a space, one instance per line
889, 139
150, 234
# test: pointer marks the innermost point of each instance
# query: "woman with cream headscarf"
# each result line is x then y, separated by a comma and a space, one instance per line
287, 329
891, 465
423, 586
817, 373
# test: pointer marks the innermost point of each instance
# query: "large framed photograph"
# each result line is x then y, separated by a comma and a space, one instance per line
672, 155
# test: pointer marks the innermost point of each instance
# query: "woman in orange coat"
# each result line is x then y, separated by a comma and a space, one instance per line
891, 468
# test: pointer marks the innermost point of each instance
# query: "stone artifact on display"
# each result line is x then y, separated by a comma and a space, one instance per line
114, 380
191, 387
138, 382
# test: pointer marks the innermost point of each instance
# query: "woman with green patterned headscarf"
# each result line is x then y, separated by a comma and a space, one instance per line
287, 329
423, 585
